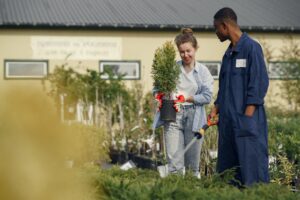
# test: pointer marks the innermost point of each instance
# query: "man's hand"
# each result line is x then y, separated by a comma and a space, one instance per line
214, 111
250, 110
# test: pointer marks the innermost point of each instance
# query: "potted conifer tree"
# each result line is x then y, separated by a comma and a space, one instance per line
165, 73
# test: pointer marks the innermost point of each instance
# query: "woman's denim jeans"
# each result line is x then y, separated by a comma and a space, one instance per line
177, 135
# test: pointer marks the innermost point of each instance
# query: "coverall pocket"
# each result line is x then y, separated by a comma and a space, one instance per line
245, 126
238, 77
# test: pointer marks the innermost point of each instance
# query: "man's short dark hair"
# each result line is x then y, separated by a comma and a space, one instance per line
225, 13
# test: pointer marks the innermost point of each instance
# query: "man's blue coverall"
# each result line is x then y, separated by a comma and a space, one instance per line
243, 140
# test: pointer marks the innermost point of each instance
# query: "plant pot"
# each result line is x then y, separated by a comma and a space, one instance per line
118, 157
167, 111
146, 162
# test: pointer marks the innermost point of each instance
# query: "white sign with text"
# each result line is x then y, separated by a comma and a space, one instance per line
76, 48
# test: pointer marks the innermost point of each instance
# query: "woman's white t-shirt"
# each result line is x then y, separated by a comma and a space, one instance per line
187, 85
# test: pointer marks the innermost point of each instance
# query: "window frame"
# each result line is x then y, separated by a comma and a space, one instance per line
278, 77
212, 62
14, 77
119, 62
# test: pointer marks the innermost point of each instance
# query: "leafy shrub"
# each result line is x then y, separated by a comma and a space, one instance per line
117, 109
165, 71
284, 145
145, 184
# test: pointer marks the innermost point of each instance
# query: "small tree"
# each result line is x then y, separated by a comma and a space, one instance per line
290, 53
290, 71
165, 71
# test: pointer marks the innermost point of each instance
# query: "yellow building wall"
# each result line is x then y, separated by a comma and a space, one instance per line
135, 45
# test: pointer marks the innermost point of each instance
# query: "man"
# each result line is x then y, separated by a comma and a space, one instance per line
243, 84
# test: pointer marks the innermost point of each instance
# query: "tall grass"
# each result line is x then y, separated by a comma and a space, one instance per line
34, 148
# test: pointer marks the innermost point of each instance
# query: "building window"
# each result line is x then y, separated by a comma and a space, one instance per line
128, 70
283, 70
25, 69
213, 67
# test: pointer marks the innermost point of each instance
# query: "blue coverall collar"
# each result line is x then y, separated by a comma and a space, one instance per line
238, 46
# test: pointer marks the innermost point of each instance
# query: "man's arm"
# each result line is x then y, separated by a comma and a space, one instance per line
258, 79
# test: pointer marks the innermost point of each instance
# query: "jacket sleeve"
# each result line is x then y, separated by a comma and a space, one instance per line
258, 80
206, 88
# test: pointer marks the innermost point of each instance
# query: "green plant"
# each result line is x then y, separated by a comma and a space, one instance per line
291, 84
283, 171
165, 71
118, 109
284, 146
209, 149
289, 71
290, 54
208, 152
145, 184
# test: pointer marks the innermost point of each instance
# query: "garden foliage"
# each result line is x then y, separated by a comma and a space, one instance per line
128, 114
165, 71
284, 146
145, 184
291, 72
121, 112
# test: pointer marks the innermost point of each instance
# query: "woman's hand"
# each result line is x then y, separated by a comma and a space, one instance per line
158, 98
178, 102
190, 99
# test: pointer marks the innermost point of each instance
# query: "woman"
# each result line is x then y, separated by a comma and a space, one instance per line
196, 85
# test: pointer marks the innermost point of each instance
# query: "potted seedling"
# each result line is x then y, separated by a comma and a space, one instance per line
165, 73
